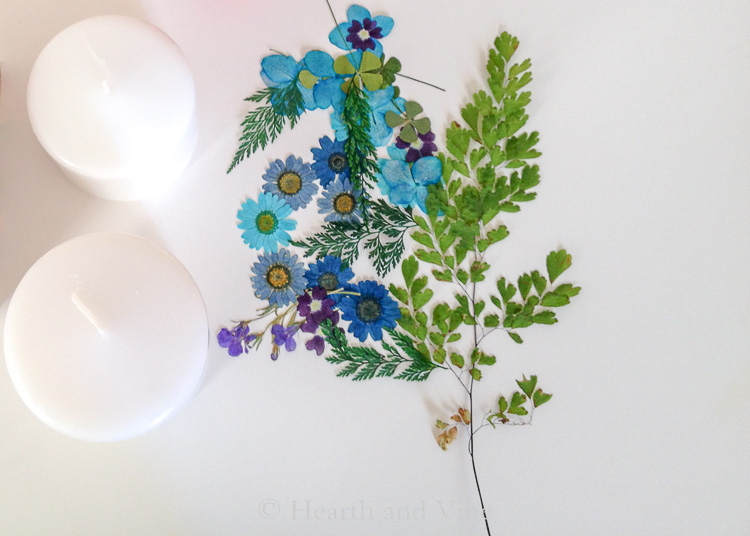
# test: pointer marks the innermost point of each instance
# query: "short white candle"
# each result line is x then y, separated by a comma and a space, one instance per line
112, 100
106, 336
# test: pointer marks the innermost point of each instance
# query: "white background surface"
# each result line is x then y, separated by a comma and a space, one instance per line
643, 110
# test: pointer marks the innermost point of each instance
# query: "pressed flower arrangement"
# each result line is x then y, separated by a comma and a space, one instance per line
444, 206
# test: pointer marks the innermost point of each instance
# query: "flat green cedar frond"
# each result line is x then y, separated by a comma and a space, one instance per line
263, 125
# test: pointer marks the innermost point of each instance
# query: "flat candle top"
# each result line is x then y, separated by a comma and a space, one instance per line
125, 337
110, 94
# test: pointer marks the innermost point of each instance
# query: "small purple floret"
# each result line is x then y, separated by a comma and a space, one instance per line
237, 340
370, 27
425, 146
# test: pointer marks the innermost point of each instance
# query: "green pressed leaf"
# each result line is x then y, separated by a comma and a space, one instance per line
399, 293
557, 263
408, 133
502, 405
566, 289
421, 298
476, 374
524, 285
392, 119
409, 268
540, 398
421, 222
432, 257
370, 62
516, 337
418, 285
527, 385
457, 360
491, 321
422, 125
439, 356
545, 317
307, 79
477, 271
554, 300
454, 337
437, 338
413, 109
462, 276
497, 234
343, 66
485, 359
506, 291
515, 404
540, 283
444, 275
479, 307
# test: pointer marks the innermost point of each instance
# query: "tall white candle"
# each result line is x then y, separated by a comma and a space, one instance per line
112, 100
106, 336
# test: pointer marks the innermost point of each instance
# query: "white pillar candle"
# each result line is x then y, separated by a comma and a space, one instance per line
106, 336
112, 100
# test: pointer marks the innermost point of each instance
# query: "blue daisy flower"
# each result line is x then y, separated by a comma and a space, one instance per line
340, 202
369, 311
293, 181
278, 278
330, 160
362, 31
405, 185
329, 274
265, 222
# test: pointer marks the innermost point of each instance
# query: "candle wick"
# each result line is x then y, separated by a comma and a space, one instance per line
85, 311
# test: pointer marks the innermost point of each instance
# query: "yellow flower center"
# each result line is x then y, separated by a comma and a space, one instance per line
278, 276
290, 183
344, 203
266, 222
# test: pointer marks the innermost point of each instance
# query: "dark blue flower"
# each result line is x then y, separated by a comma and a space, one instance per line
369, 310
340, 202
423, 146
330, 275
292, 181
237, 340
278, 278
330, 161
405, 185
362, 31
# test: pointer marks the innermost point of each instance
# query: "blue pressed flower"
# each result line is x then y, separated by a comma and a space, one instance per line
278, 71
278, 278
329, 274
293, 181
369, 311
330, 161
265, 222
340, 202
362, 31
405, 185
320, 77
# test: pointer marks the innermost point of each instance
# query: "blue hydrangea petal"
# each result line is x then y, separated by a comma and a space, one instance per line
319, 63
337, 37
427, 170
278, 70
356, 12
385, 23
328, 93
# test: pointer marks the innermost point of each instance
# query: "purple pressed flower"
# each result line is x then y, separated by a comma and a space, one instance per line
317, 344
362, 35
424, 146
315, 306
284, 336
237, 340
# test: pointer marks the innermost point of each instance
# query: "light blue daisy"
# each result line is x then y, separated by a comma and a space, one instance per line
293, 181
341, 202
265, 223
279, 277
